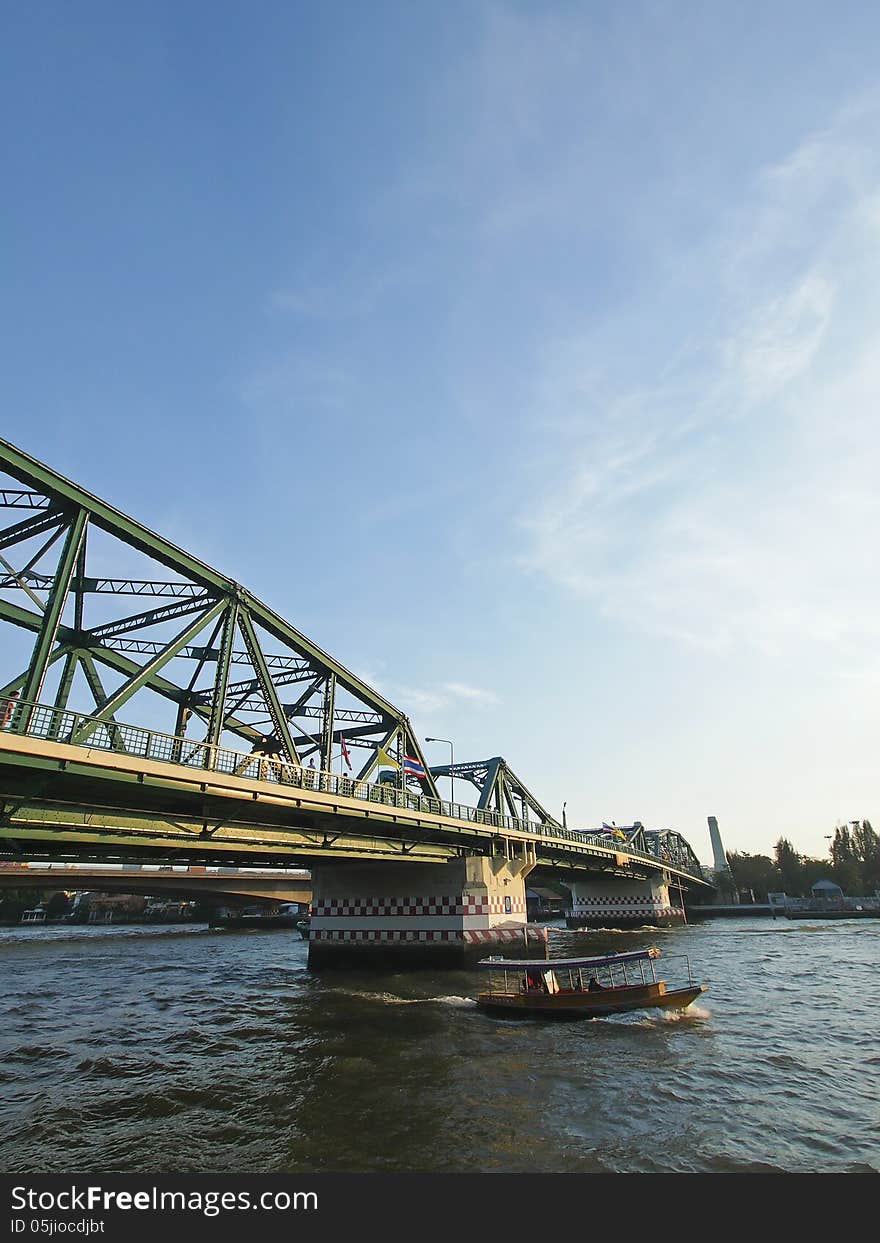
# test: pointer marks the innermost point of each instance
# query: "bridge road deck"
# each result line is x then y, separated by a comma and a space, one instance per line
72, 800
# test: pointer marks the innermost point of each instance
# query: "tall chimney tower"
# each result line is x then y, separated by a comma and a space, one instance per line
719, 857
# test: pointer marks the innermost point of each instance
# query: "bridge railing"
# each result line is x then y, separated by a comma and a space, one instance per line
80, 729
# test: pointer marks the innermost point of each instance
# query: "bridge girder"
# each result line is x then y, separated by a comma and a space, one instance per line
225, 624
63, 801
499, 788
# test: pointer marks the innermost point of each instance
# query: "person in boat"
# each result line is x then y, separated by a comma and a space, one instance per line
535, 982
594, 986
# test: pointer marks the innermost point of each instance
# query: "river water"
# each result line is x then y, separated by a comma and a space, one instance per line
188, 1050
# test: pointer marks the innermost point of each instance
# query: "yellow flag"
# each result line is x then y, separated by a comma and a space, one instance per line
385, 758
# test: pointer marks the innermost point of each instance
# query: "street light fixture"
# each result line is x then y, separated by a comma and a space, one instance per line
451, 765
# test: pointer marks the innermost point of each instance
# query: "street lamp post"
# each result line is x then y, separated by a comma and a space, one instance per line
451, 765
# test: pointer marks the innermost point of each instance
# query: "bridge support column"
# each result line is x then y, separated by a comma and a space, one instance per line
418, 915
615, 902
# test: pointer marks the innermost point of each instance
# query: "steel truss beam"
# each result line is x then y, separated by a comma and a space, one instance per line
268, 650
27, 530
670, 846
152, 617
143, 675
110, 586
148, 647
52, 615
120, 664
10, 499
251, 686
499, 788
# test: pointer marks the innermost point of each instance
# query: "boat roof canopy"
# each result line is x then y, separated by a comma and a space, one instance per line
553, 964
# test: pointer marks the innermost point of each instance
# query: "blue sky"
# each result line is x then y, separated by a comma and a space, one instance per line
524, 356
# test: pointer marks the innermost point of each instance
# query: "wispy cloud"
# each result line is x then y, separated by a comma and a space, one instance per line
727, 496
300, 381
346, 297
473, 694
779, 341
427, 701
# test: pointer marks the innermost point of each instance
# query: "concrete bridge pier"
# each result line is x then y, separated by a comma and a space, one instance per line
617, 902
422, 914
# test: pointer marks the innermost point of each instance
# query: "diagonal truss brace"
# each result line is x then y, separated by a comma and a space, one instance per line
144, 674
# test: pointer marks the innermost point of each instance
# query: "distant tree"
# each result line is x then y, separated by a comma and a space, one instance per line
855, 855
790, 868
756, 872
725, 888
866, 845
817, 869
843, 853
56, 904
849, 876
15, 901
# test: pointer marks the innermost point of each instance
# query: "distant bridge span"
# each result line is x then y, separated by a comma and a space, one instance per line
181, 882
164, 712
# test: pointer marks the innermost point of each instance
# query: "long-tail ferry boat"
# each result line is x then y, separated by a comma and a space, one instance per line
582, 987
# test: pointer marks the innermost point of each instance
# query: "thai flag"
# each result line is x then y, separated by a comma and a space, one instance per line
411, 765
345, 754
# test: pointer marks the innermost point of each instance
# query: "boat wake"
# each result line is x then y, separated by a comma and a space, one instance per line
91, 933
392, 999
680, 1016
654, 928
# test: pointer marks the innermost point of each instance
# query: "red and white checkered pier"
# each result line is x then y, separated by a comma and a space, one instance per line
411, 914
614, 902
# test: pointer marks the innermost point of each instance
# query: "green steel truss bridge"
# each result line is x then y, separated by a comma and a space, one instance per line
152, 708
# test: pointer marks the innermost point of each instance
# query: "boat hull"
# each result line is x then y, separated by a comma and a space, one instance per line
257, 921
586, 1005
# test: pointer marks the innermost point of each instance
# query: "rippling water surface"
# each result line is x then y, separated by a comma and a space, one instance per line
189, 1050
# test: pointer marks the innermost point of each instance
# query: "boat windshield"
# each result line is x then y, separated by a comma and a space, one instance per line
552, 976
600, 961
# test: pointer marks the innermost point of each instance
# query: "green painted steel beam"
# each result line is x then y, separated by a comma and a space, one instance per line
33, 473
258, 661
30, 527
169, 690
15, 579
52, 613
488, 789
10, 499
93, 679
123, 693
121, 664
63, 693
150, 617
221, 680
327, 731
100, 696
79, 582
